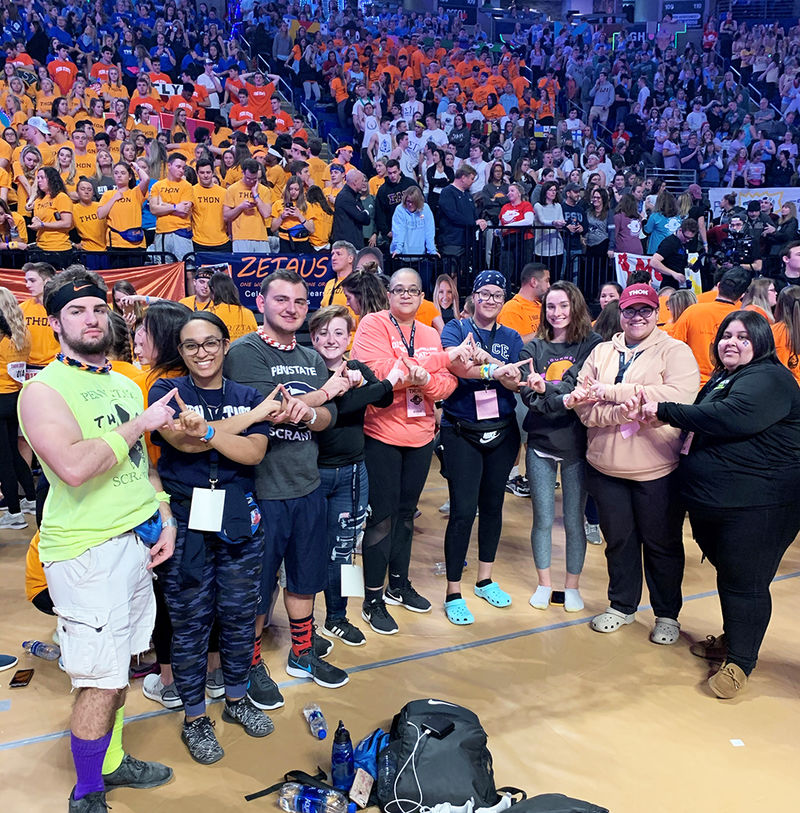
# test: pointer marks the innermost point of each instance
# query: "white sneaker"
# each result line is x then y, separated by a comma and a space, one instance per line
445, 509
28, 506
154, 689
17, 521
592, 532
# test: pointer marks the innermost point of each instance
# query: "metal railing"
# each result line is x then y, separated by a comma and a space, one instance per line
675, 180
754, 95
94, 260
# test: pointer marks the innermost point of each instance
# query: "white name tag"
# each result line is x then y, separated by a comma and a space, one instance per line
352, 580
206, 511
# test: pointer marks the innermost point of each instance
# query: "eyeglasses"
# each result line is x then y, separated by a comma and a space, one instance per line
646, 312
401, 292
486, 297
210, 346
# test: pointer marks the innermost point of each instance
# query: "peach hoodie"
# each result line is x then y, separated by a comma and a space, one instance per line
665, 369
378, 344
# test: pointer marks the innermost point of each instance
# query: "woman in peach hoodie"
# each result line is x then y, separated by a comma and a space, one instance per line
399, 441
630, 465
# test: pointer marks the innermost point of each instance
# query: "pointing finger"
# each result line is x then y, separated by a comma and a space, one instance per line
181, 404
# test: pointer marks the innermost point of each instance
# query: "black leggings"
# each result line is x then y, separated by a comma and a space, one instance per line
14, 471
640, 520
477, 479
397, 476
746, 546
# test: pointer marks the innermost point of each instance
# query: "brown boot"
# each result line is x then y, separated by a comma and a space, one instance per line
729, 682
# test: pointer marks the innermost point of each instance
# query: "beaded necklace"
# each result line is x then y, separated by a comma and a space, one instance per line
276, 344
89, 368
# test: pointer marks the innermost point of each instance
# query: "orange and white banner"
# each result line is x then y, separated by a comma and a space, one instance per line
165, 281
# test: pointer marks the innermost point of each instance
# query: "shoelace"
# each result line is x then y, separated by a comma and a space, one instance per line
728, 670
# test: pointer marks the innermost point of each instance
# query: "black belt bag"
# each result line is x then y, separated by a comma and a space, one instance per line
483, 434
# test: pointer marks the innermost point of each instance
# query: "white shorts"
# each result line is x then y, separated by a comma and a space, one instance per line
173, 243
106, 610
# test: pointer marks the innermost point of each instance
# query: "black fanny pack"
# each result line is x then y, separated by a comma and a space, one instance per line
483, 434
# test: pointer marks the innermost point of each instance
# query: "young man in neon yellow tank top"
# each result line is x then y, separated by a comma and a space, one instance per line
85, 424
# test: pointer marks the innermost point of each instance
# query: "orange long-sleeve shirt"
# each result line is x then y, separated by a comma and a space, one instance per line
697, 326
784, 350
378, 344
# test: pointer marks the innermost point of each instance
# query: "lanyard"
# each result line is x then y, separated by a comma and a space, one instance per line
478, 335
409, 345
623, 366
333, 293
214, 411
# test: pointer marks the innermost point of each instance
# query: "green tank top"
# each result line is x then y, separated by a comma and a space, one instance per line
78, 518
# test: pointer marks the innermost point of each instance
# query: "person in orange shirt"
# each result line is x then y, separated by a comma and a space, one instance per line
523, 311
146, 96
493, 110
171, 201
52, 218
91, 228
481, 93
786, 329
697, 325
102, 68
44, 344
113, 89
340, 95
248, 210
122, 207
260, 92
209, 231
283, 121
183, 101
243, 113
62, 70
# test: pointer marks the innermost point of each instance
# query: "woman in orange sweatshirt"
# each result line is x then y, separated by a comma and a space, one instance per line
399, 441
786, 329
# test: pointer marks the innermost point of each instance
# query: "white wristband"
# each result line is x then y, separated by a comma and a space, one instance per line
313, 417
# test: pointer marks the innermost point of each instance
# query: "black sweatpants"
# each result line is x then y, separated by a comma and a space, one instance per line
14, 471
746, 546
477, 479
397, 476
640, 520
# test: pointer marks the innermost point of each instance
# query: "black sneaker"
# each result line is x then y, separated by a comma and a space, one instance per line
262, 690
94, 802
377, 615
254, 722
348, 633
133, 773
310, 665
407, 597
201, 741
519, 486
321, 646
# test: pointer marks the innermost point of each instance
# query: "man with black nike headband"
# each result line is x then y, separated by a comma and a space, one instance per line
106, 524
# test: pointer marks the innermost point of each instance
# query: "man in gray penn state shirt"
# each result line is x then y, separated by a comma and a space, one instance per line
288, 488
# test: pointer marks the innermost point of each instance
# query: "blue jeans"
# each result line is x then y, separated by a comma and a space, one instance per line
541, 473
346, 492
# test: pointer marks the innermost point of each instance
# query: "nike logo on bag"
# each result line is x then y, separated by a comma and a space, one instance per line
488, 437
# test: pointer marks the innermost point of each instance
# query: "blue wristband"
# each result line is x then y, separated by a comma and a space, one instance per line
210, 432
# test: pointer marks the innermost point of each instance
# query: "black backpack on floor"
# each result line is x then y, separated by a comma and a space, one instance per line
418, 768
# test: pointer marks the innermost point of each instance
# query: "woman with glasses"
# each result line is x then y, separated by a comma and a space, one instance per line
481, 439
556, 438
398, 441
630, 465
218, 437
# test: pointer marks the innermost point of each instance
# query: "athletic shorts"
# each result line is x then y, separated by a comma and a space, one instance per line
295, 533
106, 610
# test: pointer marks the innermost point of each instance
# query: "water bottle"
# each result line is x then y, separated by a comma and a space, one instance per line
316, 721
296, 798
440, 568
387, 771
343, 770
47, 651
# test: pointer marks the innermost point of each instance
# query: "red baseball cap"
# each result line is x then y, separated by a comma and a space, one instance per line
638, 295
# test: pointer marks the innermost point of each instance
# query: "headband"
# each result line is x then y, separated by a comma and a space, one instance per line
77, 289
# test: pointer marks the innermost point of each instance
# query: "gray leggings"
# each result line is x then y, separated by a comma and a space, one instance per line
541, 473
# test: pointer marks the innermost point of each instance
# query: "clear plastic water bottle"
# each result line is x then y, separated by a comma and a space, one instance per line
343, 770
440, 568
387, 771
296, 798
49, 652
316, 720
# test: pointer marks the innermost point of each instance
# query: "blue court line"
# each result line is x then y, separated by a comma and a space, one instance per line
416, 656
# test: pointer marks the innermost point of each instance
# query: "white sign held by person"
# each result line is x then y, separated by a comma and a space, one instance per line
168, 88
625, 264
777, 194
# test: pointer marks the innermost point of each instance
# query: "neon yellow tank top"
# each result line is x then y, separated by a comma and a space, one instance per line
78, 518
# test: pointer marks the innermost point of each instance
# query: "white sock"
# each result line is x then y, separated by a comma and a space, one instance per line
514, 473
573, 603
541, 598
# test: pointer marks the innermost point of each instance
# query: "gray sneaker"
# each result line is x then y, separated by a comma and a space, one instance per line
133, 773
253, 721
201, 741
592, 532
215, 684
154, 689
94, 802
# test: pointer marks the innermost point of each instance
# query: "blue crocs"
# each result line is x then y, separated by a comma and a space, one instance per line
494, 595
458, 613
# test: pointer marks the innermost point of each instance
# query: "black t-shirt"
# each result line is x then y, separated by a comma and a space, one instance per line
674, 258
573, 215
182, 471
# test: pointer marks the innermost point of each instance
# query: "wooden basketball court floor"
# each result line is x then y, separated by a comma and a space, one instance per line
612, 719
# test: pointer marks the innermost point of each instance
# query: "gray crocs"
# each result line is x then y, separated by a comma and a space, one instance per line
611, 620
666, 631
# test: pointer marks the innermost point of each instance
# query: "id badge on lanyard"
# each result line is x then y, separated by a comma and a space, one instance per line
208, 504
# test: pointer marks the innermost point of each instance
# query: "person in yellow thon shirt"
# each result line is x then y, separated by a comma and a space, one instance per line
201, 299
122, 207
52, 218
228, 306
44, 344
248, 210
171, 203
91, 228
209, 230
